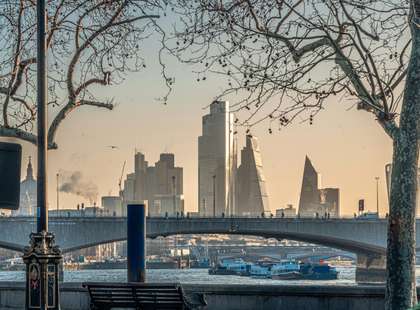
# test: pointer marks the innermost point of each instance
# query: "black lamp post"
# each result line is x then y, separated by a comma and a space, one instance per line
42, 257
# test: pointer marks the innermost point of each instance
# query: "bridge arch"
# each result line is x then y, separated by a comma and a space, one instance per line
332, 242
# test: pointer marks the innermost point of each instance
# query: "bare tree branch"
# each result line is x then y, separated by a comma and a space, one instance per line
299, 53
90, 44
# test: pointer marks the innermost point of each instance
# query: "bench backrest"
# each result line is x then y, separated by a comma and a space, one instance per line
147, 296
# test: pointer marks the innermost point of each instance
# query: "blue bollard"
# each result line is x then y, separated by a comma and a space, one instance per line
136, 243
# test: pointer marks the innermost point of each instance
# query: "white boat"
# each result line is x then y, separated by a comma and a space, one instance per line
230, 266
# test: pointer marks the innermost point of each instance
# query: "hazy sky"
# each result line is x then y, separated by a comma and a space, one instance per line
347, 147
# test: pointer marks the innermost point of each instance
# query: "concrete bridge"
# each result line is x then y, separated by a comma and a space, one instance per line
74, 233
365, 238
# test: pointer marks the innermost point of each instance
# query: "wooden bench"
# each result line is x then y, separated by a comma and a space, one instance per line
147, 296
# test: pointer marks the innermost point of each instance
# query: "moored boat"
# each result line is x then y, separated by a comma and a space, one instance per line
286, 270
229, 266
258, 271
310, 271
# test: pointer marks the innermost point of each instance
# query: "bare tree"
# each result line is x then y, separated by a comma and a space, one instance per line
284, 58
91, 43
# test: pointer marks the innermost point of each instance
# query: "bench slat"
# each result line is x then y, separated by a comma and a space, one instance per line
158, 294
138, 297
163, 298
102, 294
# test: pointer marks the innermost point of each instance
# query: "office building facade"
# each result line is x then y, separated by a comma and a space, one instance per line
160, 186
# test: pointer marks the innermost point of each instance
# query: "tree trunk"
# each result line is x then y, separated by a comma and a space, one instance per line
401, 250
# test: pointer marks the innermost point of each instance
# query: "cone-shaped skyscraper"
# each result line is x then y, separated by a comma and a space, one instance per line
309, 192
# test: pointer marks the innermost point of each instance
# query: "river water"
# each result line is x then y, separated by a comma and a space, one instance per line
188, 276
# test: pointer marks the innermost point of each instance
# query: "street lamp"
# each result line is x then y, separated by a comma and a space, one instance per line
214, 195
58, 194
42, 257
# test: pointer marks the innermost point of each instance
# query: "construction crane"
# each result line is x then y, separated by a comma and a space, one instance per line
122, 174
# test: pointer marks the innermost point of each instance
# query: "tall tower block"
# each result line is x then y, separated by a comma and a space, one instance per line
216, 161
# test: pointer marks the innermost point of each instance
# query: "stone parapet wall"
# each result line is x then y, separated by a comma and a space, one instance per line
232, 297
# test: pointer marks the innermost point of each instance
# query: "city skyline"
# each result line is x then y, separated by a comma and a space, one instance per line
190, 206
339, 141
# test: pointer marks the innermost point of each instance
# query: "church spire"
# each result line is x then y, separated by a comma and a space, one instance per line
29, 170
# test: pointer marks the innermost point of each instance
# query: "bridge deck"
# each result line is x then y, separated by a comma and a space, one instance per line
72, 233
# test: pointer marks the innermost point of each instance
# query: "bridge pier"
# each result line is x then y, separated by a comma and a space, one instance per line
370, 269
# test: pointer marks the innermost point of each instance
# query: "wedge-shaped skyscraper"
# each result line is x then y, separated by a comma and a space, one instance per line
315, 201
252, 197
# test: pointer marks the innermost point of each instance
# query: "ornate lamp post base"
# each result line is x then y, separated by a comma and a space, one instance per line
42, 259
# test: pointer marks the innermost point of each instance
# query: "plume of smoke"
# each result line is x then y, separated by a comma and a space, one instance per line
73, 183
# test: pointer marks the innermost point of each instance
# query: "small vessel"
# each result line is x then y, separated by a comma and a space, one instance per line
230, 266
341, 262
260, 271
13, 264
162, 263
286, 270
318, 271
200, 263
291, 270
106, 264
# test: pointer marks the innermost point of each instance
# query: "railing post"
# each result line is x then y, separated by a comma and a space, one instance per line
136, 243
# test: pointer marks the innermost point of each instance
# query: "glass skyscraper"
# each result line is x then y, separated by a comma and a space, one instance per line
217, 162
